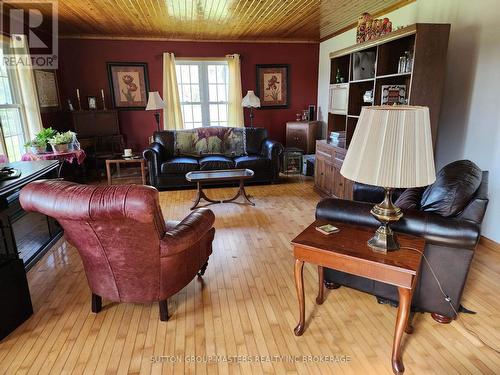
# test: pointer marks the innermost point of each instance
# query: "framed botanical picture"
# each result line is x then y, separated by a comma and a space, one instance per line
47, 90
129, 85
273, 86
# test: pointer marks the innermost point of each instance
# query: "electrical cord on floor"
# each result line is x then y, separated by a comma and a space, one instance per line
448, 299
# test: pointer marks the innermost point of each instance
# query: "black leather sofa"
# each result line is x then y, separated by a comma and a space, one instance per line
168, 168
448, 214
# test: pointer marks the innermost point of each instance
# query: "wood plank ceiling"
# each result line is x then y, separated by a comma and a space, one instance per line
284, 20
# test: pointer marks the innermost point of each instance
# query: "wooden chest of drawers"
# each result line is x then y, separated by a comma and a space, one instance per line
303, 135
327, 177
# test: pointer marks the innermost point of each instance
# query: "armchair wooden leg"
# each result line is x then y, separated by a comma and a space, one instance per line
96, 303
202, 270
163, 310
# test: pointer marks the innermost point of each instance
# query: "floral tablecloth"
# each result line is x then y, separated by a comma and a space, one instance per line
70, 156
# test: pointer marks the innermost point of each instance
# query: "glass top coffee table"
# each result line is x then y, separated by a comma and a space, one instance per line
201, 177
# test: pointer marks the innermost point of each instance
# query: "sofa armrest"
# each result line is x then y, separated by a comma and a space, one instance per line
187, 232
433, 228
154, 156
371, 194
271, 149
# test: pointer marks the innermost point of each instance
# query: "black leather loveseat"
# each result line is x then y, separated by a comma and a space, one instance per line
448, 214
168, 163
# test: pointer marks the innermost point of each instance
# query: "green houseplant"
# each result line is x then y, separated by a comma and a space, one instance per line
60, 141
39, 144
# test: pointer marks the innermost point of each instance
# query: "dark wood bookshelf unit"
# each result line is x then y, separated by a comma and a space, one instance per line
427, 44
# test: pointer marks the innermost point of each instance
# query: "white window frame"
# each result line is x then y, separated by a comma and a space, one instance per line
204, 87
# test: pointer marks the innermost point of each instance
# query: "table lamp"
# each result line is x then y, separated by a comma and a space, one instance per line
155, 103
391, 147
251, 101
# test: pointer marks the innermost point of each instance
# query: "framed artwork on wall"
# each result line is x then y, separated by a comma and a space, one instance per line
273, 85
128, 84
47, 90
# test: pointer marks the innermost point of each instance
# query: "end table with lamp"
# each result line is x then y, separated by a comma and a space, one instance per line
251, 101
391, 147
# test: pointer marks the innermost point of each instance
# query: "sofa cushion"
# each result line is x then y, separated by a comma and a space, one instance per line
254, 139
234, 142
210, 140
180, 165
410, 198
215, 162
185, 143
254, 162
454, 187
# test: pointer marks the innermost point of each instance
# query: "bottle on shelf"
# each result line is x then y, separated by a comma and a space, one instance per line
338, 78
402, 64
408, 62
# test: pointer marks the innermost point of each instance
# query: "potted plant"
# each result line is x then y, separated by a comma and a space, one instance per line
61, 141
39, 144
36, 146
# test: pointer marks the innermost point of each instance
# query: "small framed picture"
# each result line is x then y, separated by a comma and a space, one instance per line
92, 102
393, 94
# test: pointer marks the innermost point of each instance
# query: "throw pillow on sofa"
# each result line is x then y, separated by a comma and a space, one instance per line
454, 187
185, 143
210, 140
234, 142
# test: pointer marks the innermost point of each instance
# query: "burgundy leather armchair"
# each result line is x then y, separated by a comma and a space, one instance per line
128, 251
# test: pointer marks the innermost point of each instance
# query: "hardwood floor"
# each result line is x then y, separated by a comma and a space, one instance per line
245, 305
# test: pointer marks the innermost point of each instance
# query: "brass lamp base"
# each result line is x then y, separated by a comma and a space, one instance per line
386, 212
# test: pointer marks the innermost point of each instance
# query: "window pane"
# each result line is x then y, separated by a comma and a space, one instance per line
194, 73
186, 93
13, 132
185, 74
188, 113
222, 112
212, 74
195, 93
221, 73
212, 93
221, 93
197, 113
214, 113
178, 73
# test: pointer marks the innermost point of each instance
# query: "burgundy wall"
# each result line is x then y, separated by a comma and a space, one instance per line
82, 64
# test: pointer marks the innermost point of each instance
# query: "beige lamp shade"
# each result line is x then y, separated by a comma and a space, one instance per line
391, 147
155, 101
250, 100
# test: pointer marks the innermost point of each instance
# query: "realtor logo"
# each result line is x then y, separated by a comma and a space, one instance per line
33, 29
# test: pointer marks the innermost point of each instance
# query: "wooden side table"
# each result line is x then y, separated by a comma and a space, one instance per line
141, 161
347, 251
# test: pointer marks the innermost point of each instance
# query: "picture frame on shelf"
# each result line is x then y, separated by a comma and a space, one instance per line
363, 65
393, 94
273, 86
47, 90
129, 85
92, 103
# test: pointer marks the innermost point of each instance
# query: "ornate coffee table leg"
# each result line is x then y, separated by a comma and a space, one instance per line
299, 284
401, 324
201, 195
321, 286
241, 191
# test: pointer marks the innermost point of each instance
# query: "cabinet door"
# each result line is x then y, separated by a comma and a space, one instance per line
348, 186
296, 137
323, 175
338, 183
338, 99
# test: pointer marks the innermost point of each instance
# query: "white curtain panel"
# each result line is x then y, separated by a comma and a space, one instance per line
235, 110
172, 113
33, 123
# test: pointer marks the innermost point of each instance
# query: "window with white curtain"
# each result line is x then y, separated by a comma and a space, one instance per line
11, 114
203, 92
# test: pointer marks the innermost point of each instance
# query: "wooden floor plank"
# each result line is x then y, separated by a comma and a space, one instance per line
245, 305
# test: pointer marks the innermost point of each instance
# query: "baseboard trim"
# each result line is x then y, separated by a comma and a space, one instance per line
490, 244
